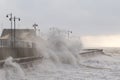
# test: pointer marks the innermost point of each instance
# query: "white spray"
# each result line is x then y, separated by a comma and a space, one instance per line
12, 70
58, 49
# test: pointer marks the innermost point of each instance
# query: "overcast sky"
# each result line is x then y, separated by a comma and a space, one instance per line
86, 17
83, 17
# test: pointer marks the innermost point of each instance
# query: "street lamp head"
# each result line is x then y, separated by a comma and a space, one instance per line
35, 25
7, 16
10, 19
69, 31
19, 19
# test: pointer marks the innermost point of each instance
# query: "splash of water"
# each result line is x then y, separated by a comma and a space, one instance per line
13, 71
58, 49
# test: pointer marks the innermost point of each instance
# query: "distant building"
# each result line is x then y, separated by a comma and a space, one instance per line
23, 37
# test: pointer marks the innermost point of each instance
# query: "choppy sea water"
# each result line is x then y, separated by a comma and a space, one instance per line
98, 67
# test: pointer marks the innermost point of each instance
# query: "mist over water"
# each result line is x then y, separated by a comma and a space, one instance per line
58, 49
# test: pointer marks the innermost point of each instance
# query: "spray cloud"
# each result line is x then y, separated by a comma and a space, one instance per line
58, 49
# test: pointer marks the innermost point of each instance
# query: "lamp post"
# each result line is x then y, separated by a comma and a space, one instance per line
35, 27
10, 16
69, 34
14, 19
